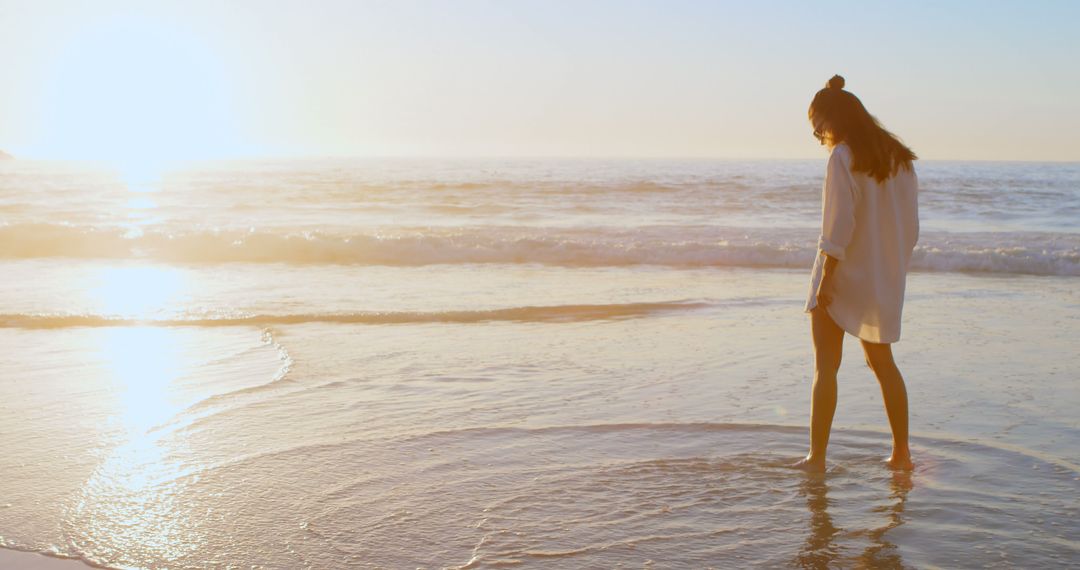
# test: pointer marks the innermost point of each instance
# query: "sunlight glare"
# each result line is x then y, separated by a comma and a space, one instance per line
137, 93
144, 362
132, 496
138, 292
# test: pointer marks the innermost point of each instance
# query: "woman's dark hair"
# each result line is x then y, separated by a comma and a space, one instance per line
874, 150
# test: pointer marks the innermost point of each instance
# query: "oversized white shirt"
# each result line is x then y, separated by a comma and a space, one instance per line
871, 228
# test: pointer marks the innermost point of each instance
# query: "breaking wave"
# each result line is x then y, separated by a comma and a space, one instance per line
1033, 253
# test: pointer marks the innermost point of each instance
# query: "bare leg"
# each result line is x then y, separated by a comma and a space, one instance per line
828, 350
880, 359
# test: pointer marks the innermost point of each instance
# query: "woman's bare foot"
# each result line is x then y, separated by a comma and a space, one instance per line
900, 462
810, 465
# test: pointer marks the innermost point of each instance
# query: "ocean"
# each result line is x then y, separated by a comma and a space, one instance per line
426, 363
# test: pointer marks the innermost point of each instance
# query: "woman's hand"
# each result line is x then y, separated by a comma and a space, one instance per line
824, 294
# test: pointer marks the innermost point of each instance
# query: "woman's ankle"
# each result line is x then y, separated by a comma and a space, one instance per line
816, 458
811, 464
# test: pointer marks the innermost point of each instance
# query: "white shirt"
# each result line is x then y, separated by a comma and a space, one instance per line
871, 228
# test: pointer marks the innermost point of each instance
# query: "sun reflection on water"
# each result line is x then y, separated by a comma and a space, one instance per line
132, 506
144, 362
139, 208
140, 176
138, 292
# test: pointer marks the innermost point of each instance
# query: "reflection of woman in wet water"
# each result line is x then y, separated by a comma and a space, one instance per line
821, 549
870, 223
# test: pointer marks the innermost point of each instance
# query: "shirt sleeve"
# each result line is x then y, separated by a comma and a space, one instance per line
837, 206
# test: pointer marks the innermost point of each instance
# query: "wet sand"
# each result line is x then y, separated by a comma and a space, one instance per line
19, 560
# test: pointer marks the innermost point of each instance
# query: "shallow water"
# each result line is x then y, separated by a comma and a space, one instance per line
522, 411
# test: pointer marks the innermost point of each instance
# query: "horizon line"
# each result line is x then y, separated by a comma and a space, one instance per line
553, 157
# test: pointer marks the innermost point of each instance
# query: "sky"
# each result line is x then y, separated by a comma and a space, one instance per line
143, 81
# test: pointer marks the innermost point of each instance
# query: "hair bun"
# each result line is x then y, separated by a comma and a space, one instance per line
835, 82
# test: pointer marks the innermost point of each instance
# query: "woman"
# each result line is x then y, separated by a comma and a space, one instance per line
870, 223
